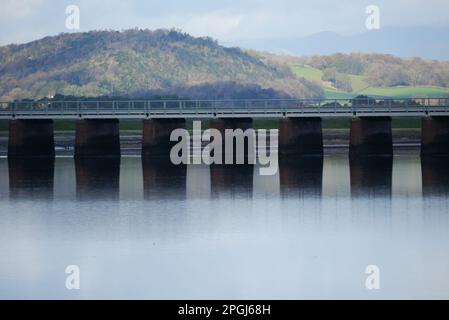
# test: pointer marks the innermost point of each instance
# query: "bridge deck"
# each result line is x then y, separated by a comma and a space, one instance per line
205, 109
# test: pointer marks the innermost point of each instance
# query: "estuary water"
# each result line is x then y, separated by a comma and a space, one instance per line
144, 229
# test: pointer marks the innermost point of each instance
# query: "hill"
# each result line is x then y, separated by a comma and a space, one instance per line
347, 75
141, 63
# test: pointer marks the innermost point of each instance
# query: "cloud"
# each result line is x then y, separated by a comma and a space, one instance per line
13, 9
225, 20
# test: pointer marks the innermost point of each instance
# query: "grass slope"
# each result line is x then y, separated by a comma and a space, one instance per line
309, 73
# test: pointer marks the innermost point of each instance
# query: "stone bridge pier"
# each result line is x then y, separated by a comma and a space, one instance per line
233, 123
435, 136
370, 136
97, 137
300, 136
156, 136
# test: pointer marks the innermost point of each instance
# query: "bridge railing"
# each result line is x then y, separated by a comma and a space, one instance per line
217, 107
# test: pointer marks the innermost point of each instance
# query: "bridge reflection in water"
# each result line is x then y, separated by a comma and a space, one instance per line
298, 177
324, 218
301, 177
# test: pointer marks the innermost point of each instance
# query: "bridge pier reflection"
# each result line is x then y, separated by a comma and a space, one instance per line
435, 188
97, 178
235, 181
371, 189
435, 176
371, 176
162, 179
301, 176
31, 178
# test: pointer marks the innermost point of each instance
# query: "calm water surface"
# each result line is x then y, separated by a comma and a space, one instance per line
141, 229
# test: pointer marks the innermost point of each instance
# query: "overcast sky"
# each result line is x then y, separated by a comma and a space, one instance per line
226, 20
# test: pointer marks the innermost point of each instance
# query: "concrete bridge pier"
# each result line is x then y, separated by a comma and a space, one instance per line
371, 136
435, 136
300, 136
156, 136
233, 123
97, 138
31, 138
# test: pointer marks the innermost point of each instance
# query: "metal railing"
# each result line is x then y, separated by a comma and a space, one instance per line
256, 108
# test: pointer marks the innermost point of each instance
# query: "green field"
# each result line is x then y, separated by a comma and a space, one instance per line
314, 75
397, 92
408, 92
358, 82
308, 73
334, 94
360, 86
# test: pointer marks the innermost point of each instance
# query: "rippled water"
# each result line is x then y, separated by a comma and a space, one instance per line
142, 229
